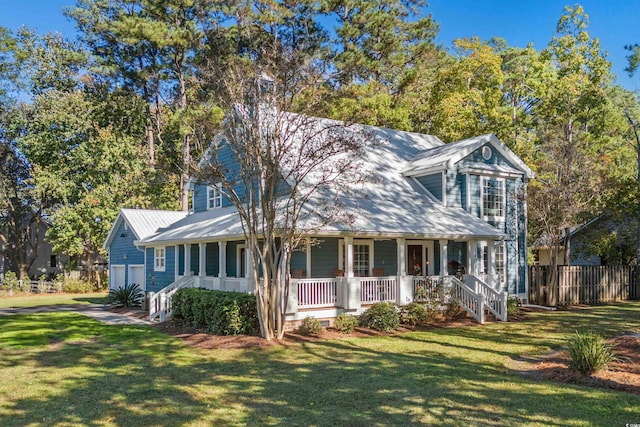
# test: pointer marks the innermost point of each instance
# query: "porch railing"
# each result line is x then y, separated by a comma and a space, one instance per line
161, 304
377, 289
317, 292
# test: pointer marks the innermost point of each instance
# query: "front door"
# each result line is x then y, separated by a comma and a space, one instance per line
414, 260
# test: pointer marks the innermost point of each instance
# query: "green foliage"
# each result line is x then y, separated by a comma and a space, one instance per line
310, 326
75, 286
218, 312
345, 323
513, 306
128, 296
381, 316
414, 314
589, 353
10, 281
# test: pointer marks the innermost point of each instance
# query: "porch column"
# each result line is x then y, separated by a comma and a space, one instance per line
308, 252
222, 259
348, 256
491, 263
402, 260
187, 259
444, 271
202, 261
176, 256
248, 262
472, 250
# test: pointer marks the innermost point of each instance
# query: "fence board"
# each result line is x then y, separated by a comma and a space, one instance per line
582, 284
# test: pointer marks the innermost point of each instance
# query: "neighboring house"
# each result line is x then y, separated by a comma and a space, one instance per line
431, 209
601, 241
47, 262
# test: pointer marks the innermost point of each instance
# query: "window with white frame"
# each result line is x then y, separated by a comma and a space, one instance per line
159, 259
493, 197
362, 258
214, 197
499, 260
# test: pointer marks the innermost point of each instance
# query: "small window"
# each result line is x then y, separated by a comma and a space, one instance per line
486, 152
214, 197
493, 197
159, 259
362, 258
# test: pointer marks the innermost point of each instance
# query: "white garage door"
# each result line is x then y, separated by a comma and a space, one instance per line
116, 277
136, 276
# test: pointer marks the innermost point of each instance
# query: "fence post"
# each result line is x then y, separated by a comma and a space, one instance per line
503, 305
481, 308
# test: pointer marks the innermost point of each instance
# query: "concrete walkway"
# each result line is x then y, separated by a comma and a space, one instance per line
95, 311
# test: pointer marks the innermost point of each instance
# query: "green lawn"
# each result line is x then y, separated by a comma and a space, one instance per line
32, 300
66, 369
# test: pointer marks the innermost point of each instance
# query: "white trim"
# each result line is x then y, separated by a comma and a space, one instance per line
159, 260
308, 250
444, 187
491, 173
467, 181
343, 262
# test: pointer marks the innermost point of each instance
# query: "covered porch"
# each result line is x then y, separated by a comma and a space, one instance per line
332, 275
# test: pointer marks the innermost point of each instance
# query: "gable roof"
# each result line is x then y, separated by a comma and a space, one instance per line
143, 222
388, 204
447, 155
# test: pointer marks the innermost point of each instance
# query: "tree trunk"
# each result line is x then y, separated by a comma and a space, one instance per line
567, 246
23, 272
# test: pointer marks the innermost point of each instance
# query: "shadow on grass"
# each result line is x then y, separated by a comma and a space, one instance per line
86, 373
91, 299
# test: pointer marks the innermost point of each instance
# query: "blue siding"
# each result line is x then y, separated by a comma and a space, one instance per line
453, 189
496, 158
213, 259
436, 257
157, 280
385, 255
200, 198
475, 197
122, 251
181, 260
324, 258
433, 183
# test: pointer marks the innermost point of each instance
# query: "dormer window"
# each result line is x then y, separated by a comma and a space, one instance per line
493, 198
214, 197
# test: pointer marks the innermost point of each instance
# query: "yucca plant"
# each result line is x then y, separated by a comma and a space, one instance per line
589, 353
129, 296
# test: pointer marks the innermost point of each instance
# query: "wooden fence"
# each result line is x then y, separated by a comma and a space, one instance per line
582, 284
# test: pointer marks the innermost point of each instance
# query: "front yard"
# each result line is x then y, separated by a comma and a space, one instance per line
66, 369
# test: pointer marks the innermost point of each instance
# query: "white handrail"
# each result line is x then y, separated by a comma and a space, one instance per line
160, 303
471, 301
495, 301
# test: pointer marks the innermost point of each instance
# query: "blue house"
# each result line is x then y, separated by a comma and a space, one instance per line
432, 211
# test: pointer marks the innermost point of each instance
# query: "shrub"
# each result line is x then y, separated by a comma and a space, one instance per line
10, 282
452, 309
381, 316
75, 286
217, 312
345, 323
513, 306
310, 326
414, 314
129, 296
589, 353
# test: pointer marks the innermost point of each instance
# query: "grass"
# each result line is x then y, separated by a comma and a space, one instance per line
66, 369
33, 300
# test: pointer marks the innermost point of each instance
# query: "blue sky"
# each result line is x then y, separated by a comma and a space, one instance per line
614, 22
